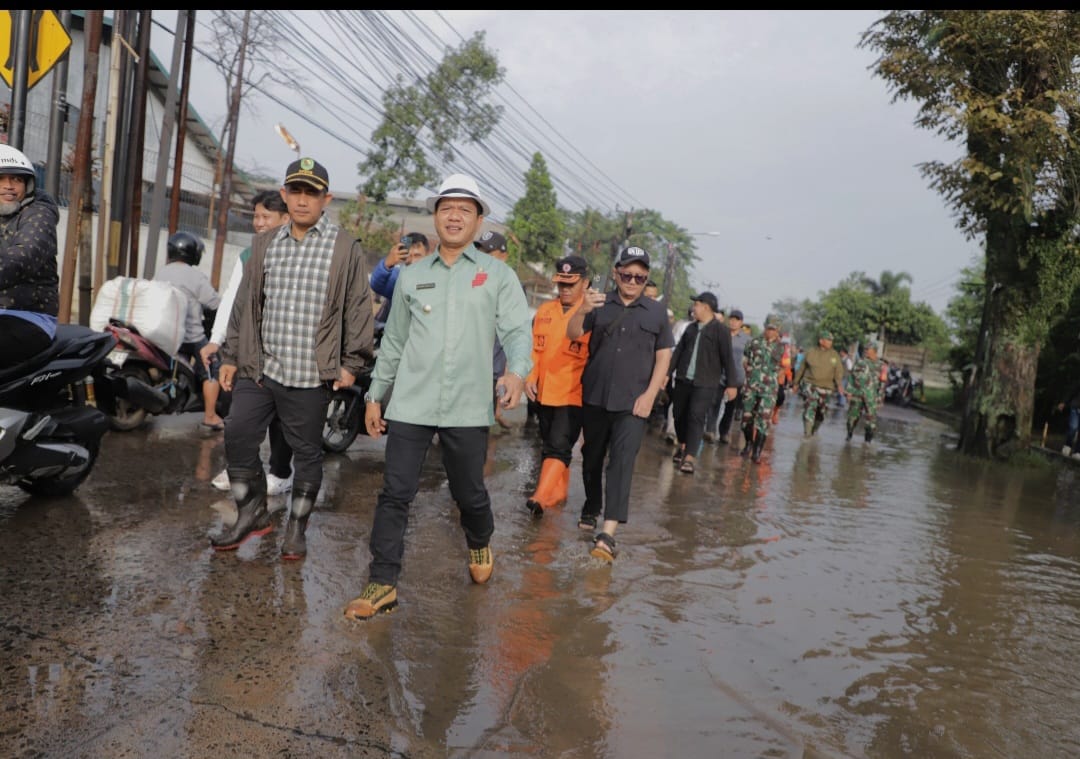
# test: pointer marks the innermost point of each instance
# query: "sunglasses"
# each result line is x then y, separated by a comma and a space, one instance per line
637, 279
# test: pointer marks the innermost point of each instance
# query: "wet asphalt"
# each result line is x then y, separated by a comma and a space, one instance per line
836, 600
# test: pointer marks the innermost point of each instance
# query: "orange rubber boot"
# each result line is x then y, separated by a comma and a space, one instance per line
548, 489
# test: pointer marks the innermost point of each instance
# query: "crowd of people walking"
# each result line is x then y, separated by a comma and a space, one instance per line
452, 346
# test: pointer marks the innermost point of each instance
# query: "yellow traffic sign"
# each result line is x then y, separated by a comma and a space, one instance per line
49, 40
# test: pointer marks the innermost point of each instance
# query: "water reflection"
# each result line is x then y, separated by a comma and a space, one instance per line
835, 600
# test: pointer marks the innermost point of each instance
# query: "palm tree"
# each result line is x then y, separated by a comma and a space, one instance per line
889, 284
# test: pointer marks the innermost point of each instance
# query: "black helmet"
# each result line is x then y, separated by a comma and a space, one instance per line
186, 247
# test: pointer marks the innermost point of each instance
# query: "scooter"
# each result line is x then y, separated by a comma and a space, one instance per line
50, 430
154, 381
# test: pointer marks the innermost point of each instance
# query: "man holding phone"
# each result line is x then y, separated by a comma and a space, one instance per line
411, 247
630, 344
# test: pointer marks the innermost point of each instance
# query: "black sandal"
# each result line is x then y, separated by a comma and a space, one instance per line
604, 547
587, 522
680, 454
687, 466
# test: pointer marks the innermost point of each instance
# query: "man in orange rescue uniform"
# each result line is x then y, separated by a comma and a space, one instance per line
555, 383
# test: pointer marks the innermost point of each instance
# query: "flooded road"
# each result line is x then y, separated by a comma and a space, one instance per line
837, 600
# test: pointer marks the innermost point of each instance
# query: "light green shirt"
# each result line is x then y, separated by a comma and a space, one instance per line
438, 343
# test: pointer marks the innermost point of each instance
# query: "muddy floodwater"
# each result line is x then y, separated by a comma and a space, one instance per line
838, 600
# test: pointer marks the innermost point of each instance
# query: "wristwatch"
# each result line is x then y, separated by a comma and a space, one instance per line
368, 398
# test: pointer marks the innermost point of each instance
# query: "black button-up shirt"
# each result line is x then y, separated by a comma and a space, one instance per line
622, 350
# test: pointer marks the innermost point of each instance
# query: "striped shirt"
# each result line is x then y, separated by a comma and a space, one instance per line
296, 274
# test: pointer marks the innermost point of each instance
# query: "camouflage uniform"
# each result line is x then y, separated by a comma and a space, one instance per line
762, 361
819, 378
865, 385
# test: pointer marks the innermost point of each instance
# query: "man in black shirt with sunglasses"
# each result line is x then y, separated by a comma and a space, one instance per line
629, 355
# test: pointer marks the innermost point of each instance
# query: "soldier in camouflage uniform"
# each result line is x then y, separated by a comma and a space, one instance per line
819, 378
761, 358
864, 394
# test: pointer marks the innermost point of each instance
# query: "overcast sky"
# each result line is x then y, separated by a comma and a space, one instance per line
765, 127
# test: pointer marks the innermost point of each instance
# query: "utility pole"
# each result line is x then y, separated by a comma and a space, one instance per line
77, 245
157, 202
58, 120
227, 169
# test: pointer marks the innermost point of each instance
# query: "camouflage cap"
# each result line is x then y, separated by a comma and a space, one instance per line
772, 320
825, 335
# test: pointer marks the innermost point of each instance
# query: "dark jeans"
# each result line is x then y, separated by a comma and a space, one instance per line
1072, 426
617, 436
302, 414
689, 406
560, 427
20, 340
713, 413
732, 408
464, 450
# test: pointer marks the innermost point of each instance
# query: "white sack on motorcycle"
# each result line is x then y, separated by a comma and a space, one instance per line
156, 309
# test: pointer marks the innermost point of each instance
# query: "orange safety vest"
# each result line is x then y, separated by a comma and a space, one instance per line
557, 360
784, 377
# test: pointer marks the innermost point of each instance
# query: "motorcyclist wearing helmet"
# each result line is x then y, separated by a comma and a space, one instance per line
181, 270
29, 283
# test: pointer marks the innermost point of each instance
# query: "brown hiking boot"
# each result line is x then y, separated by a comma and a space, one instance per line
374, 600
481, 564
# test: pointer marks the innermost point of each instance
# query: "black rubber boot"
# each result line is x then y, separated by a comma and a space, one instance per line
252, 518
817, 423
851, 428
303, 501
748, 435
759, 446
869, 434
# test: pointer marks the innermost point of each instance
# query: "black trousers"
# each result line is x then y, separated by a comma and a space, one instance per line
616, 436
732, 408
689, 405
20, 340
302, 414
464, 450
560, 427
280, 452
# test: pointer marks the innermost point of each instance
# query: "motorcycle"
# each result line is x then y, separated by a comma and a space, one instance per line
900, 387
50, 429
154, 382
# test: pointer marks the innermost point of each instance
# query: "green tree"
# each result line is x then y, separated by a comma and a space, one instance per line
423, 123
595, 236
799, 318
963, 314
1005, 83
535, 220
890, 295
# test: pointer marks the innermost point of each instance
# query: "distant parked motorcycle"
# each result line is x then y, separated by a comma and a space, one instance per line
900, 387
50, 431
155, 382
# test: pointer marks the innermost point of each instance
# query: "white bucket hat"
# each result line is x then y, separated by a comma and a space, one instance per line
459, 186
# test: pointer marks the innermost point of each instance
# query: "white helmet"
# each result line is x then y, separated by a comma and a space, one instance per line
15, 162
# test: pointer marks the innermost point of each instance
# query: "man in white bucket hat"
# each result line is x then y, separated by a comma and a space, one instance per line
436, 352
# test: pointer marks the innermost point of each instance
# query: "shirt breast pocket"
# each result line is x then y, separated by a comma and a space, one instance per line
646, 337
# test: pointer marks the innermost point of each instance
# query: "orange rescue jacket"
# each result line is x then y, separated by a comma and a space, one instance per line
557, 361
